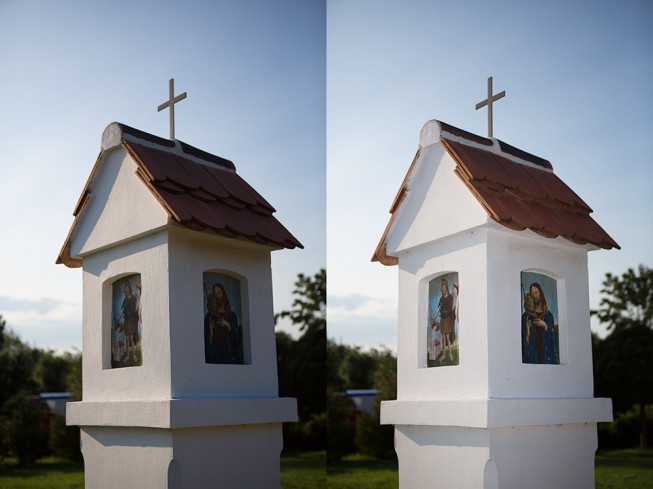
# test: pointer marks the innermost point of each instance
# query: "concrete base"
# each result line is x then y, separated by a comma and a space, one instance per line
531, 457
182, 413
231, 456
182, 443
496, 443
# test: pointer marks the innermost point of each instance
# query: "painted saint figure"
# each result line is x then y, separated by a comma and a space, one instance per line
129, 313
446, 311
221, 334
539, 340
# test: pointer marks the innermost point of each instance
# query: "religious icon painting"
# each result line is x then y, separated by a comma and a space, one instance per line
539, 319
223, 319
126, 322
443, 325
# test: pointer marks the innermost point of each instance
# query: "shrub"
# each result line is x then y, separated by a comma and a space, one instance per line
340, 431
624, 431
64, 440
372, 438
25, 428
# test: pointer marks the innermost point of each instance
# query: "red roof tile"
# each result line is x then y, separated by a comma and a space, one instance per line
517, 189
198, 190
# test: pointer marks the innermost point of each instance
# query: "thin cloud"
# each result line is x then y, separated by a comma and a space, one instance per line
44, 322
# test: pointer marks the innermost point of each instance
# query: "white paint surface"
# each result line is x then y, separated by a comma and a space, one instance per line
231, 457
182, 413
437, 203
534, 457
490, 421
120, 207
175, 421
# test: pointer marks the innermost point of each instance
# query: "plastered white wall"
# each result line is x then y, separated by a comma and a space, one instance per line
510, 253
491, 421
120, 207
466, 254
232, 456
489, 261
122, 457
534, 457
150, 381
545, 457
171, 265
192, 377
437, 203
496, 413
431, 457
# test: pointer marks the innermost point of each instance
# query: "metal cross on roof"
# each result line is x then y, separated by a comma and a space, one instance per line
488, 101
171, 103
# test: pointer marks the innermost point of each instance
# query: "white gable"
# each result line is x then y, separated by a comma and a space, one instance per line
437, 203
120, 207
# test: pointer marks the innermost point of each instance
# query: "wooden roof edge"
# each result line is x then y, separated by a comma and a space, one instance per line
81, 202
402, 188
171, 213
64, 257
382, 257
380, 253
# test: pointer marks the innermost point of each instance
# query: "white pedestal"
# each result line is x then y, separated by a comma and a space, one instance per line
199, 443
496, 443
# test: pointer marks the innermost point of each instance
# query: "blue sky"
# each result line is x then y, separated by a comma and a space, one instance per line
293, 107
578, 77
255, 75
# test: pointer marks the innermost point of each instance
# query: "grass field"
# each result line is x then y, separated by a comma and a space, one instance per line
616, 469
299, 470
360, 472
48, 473
303, 470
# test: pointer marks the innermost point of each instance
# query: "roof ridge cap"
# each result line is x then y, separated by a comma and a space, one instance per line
494, 149
116, 133
434, 131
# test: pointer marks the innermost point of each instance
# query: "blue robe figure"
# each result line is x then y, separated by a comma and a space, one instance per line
222, 341
539, 346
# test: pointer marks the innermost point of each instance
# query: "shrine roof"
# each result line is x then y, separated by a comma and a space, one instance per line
516, 189
198, 190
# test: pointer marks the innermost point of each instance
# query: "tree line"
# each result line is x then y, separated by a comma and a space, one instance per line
623, 361
28, 430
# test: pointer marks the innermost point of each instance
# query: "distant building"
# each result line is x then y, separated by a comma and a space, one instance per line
363, 399
56, 401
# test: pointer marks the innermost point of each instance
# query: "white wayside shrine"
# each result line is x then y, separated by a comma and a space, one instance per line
494, 372
179, 366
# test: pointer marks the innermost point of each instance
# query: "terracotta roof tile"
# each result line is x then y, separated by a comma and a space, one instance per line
534, 198
517, 189
213, 196
198, 190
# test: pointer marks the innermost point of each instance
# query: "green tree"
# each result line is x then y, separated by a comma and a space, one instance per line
358, 367
51, 371
17, 362
623, 362
351, 367
24, 372
73, 377
64, 440
372, 438
309, 307
25, 427
628, 300
301, 364
335, 355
